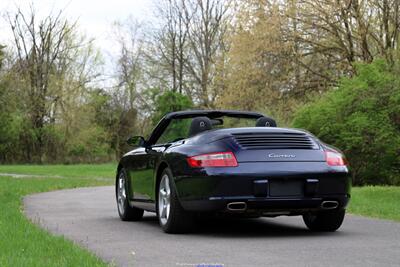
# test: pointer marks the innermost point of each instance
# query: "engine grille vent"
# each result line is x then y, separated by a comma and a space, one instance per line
275, 141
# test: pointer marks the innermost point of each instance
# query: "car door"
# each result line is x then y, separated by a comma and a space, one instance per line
139, 172
144, 160
143, 173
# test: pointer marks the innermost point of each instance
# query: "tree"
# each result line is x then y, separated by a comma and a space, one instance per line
168, 102
207, 23
362, 118
10, 118
130, 66
38, 47
54, 65
2, 55
260, 69
282, 53
189, 45
171, 41
349, 30
126, 97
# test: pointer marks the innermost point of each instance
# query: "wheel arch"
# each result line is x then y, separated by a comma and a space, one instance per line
120, 166
161, 167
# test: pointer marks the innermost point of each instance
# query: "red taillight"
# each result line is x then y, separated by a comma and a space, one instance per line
221, 159
335, 159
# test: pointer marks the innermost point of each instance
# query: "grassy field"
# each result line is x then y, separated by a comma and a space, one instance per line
68, 171
22, 243
376, 201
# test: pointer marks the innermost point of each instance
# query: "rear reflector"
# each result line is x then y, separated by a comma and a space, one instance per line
221, 159
334, 158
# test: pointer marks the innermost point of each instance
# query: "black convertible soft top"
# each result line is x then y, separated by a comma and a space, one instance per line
212, 114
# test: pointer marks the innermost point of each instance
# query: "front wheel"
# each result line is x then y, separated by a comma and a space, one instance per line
125, 211
326, 221
171, 216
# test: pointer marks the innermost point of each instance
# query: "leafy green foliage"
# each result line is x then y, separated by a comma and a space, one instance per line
89, 144
170, 101
166, 102
116, 122
10, 127
2, 54
10, 118
362, 118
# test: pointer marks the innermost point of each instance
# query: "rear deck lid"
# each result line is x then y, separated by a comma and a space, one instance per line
276, 145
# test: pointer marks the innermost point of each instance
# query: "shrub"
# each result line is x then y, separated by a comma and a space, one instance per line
89, 145
362, 118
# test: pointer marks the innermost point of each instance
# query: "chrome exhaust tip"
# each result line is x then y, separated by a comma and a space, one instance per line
329, 204
237, 206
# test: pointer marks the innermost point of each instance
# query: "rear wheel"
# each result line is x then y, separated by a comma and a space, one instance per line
171, 216
328, 221
125, 211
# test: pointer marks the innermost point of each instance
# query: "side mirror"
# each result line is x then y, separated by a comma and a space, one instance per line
136, 141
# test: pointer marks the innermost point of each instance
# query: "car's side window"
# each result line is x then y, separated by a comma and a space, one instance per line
176, 130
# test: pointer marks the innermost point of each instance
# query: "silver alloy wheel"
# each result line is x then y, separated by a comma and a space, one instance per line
121, 193
164, 195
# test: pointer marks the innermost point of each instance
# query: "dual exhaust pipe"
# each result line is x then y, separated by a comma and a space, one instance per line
242, 206
237, 206
329, 204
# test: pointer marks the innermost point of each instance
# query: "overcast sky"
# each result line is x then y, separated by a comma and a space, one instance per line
95, 17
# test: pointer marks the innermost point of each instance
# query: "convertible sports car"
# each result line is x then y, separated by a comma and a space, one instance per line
231, 162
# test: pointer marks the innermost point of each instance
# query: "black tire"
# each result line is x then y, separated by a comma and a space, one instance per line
178, 220
325, 221
125, 211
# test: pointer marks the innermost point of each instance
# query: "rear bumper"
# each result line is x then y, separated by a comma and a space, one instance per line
294, 186
254, 204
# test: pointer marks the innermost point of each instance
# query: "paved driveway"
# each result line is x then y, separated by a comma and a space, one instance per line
89, 217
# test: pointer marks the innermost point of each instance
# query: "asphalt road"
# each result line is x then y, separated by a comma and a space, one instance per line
89, 217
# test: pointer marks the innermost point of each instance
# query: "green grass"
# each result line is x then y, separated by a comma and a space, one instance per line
70, 171
376, 201
23, 243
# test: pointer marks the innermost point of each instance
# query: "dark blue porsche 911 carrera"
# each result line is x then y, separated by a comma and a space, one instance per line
231, 162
